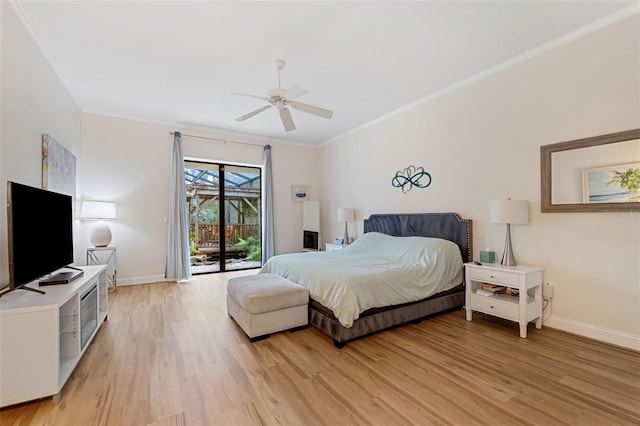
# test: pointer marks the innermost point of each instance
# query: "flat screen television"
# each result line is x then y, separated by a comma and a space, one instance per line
37, 219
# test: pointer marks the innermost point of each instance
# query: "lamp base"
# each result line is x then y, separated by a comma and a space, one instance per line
100, 235
345, 238
508, 259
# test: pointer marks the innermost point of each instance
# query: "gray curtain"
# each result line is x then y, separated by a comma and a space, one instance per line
268, 243
178, 261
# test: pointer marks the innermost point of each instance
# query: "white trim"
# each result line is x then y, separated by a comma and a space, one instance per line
614, 337
148, 279
221, 132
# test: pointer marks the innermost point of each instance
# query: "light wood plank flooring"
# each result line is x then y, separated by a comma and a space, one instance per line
170, 355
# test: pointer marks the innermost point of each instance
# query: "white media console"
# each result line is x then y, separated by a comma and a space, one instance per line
43, 336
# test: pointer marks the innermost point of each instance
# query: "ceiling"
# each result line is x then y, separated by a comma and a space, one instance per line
181, 62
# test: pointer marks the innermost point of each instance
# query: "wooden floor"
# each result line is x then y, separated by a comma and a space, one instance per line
170, 355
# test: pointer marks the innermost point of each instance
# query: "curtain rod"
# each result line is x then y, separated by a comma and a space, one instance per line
220, 140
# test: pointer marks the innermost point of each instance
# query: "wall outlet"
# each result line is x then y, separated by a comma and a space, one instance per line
547, 291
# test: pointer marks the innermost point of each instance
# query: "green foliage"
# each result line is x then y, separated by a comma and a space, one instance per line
252, 248
207, 215
628, 180
193, 248
193, 244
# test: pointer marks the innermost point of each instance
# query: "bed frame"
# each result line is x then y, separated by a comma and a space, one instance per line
449, 226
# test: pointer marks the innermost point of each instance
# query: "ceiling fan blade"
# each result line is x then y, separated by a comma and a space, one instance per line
251, 96
287, 121
295, 92
320, 112
252, 113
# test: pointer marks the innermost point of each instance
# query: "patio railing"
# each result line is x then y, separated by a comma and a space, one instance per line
208, 234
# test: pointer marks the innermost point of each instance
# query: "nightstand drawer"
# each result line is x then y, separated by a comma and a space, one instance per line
494, 277
493, 306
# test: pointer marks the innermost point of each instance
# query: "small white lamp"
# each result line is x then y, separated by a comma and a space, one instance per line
509, 212
101, 234
346, 215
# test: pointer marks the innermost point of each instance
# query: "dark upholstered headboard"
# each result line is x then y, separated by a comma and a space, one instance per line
448, 226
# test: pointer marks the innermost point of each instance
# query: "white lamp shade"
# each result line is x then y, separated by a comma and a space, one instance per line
346, 215
98, 210
509, 211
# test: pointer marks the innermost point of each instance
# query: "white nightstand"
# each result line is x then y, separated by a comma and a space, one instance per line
523, 308
333, 247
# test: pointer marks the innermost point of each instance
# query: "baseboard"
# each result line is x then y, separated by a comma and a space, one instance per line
141, 280
149, 279
614, 337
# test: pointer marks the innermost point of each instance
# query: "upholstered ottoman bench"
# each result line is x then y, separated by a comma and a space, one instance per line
263, 304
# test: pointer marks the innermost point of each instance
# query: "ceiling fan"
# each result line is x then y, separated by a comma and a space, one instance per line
281, 98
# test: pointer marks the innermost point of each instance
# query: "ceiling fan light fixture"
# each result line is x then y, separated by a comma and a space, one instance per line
276, 92
280, 98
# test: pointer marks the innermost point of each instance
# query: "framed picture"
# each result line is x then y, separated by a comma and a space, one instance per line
58, 168
299, 193
619, 183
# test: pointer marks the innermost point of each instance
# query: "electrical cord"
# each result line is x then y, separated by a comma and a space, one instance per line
547, 302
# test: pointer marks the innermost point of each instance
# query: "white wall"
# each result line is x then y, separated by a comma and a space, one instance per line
127, 161
482, 142
33, 101
123, 160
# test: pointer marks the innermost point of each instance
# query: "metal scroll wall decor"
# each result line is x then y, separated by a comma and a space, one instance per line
410, 177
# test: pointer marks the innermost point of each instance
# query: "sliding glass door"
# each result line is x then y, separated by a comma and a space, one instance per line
224, 204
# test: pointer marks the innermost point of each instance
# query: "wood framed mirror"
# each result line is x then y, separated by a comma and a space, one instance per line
596, 174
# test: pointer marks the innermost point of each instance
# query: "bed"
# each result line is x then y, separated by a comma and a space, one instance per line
385, 278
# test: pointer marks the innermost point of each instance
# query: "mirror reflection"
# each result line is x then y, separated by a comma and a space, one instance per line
595, 174
598, 174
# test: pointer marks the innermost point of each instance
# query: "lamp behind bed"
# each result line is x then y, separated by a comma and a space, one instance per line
346, 215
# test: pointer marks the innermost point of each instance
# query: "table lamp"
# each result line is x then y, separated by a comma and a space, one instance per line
101, 234
509, 212
346, 215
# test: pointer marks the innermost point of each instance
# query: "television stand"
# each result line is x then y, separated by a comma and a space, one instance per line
35, 290
43, 337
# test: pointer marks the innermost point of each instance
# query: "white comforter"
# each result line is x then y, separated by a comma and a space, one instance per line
376, 270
